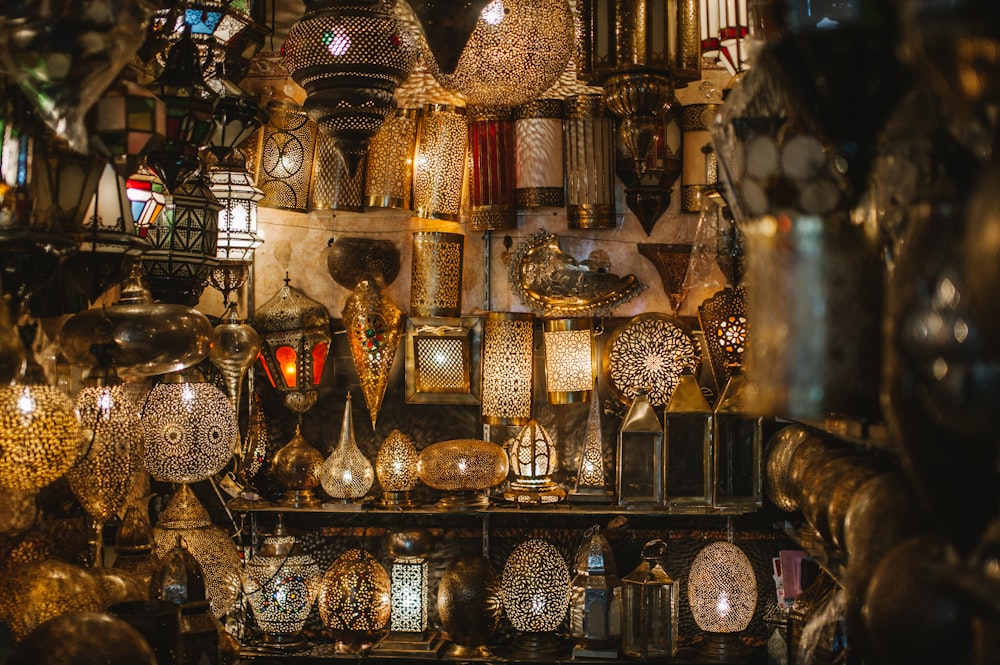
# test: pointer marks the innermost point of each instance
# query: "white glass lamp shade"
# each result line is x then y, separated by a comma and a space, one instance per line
189, 428
40, 436
569, 359
722, 588
234, 189
534, 587
533, 459
507, 360
282, 583
538, 145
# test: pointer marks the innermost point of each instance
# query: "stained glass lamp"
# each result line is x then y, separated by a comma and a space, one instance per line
535, 589
355, 601
595, 610
532, 461
491, 169
396, 468
347, 475
374, 327
722, 592
126, 122
569, 359
282, 583
147, 197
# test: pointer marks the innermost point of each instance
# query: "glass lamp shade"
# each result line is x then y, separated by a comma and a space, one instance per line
687, 431
739, 457
40, 436
538, 143
569, 359
112, 433
469, 606
126, 121
439, 167
396, 468
189, 429
294, 331
374, 328
491, 169
508, 362
185, 520
590, 163
282, 584
147, 196
640, 455
436, 275
350, 58
649, 181
516, 51
722, 593
389, 176
235, 348
237, 117
286, 149
464, 468
234, 189
650, 603
354, 601
334, 186
534, 588
63, 183
595, 609
347, 474
532, 461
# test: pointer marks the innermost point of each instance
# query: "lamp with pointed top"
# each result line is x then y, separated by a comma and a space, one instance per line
591, 482
347, 475
396, 468
533, 460
640, 455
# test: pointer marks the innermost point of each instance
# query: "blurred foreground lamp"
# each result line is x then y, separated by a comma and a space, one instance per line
640, 454
687, 431
439, 169
389, 173
569, 359
295, 338
533, 461
354, 601
396, 468
464, 469
282, 583
722, 592
508, 360
591, 485
534, 588
125, 123
650, 606
39, 436
595, 610
649, 181
349, 57
538, 143
436, 274
738, 441
590, 163
347, 475
285, 153
491, 169
147, 195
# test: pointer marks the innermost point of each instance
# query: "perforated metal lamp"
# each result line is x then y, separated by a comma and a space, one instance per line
722, 593
532, 461
535, 590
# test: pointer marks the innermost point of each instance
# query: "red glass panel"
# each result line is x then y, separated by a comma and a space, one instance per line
286, 357
319, 361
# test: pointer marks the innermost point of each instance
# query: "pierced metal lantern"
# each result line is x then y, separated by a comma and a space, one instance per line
464, 469
334, 187
347, 475
538, 143
491, 169
442, 360
535, 589
354, 601
126, 122
396, 468
189, 428
590, 163
533, 461
439, 167
409, 577
39, 436
650, 607
286, 149
349, 57
687, 431
282, 583
391, 153
591, 483
507, 360
722, 593
640, 455
595, 606
723, 317
374, 327
738, 441
468, 603
436, 275
569, 359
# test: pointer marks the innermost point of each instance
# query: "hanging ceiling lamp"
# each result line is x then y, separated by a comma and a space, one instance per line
237, 238
349, 56
237, 117
125, 123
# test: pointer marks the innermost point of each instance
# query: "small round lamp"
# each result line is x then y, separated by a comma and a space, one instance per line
354, 601
464, 469
535, 590
722, 592
533, 460
396, 468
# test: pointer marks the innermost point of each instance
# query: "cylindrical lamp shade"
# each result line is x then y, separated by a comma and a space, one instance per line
439, 170
534, 587
333, 186
700, 166
569, 359
389, 178
590, 163
507, 367
491, 175
538, 143
436, 284
285, 152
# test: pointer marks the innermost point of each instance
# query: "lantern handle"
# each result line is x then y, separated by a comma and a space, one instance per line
654, 550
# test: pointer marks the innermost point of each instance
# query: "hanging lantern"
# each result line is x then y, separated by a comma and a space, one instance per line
285, 152
590, 165
640, 455
126, 122
507, 367
469, 606
389, 172
491, 169
534, 587
237, 117
436, 274
533, 461
538, 142
591, 485
134, 543
648, 182
235, 348
396, 468
347, 474
237, 238
650, 607
350, 57
464, 469
687, 432
569, 359
737, 437
722, 593
147, 196
354, 601
39, 436
282, 583
374, 327
595, 606
439, 169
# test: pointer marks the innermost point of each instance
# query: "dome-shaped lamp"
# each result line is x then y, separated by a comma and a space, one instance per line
464, 469
347, 475
533, 460
535, 591
396, 468
468, 602
354, 601
595, 608
722, 592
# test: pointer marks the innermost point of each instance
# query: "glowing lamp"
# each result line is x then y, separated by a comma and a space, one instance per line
147, 196
533, 460
535, 590
569, 359
722, 592
396, 468
354, 601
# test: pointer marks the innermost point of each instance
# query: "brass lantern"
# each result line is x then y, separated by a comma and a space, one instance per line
396, 468
354, 601
650, 605
595, 604
687, 431
534, 588
533, 460
640, 455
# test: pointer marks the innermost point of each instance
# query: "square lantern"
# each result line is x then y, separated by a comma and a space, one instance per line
737, 438
687, 429
640, 455
442, 360
569, 359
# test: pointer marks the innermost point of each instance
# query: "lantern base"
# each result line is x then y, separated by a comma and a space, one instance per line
591, 495
722, 648
299, 499
463, 651
401, 500
428, 644
284, 641
537, 646
463, 500
544, 494
607, 653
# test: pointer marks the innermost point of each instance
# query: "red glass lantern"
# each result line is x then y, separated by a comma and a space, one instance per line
491, 178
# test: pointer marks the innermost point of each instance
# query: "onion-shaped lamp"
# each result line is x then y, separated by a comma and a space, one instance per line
722, 592
464, 469
534, 587
650, 607
468, 603
282, 583
533, 460
396, 469
354, 601
40, 436
374, 327
347, 475
595, 606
